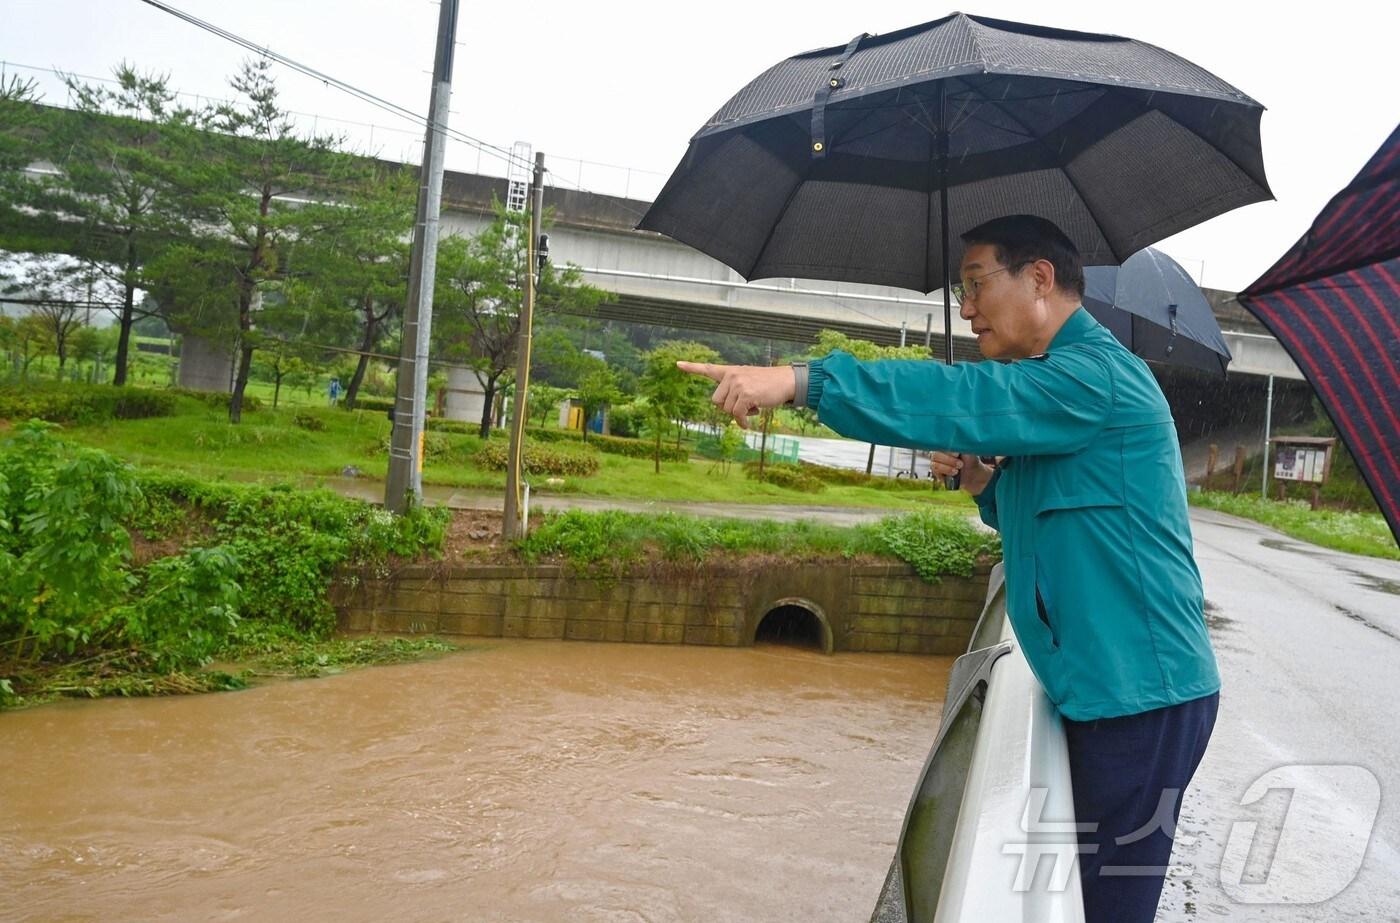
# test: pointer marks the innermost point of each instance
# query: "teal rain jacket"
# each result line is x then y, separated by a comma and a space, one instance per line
1101, 581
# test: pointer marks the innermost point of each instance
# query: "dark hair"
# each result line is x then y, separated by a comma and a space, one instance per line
1023, 239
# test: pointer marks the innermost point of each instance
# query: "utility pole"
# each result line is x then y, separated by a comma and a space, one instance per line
405, 483
514, 524
1268, 425
903, 333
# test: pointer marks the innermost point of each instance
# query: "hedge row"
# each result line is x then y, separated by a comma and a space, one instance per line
539, 459
381, 404
783, 475
850, 477
83, 403
613, 445
219, 400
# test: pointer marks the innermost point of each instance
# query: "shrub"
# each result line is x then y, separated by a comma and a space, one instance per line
612, 445
935, 544
464, 428
607, 542
66, 590
435, 445
219, 400
63, 551
83, 403
494, 456
187, 608
853, 478
383, 405
597, 543
554, 435
290, 543
309, 422
790, 476
626, 420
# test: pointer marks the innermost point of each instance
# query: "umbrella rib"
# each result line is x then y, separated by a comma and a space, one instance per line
832, 142
1065, 173
1350, 266
787, 203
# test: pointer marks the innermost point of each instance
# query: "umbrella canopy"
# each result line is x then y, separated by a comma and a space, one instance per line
1157, 310
865, 161
1333, 301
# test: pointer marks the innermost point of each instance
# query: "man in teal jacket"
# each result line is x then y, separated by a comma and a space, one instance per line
1089, 496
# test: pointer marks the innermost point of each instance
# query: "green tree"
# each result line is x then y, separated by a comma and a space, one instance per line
596, 390
731, 442
673, 395
25, 339
544, 400
479, 293
19, 123
279, 364
353, 282
89, 345
119, 151
831, 340
265, 190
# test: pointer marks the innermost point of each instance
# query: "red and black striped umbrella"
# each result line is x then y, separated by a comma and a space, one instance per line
1333, 301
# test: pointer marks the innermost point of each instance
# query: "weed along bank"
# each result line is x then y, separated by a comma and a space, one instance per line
832, 605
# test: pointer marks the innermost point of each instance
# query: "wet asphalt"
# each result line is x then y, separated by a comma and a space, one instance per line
1308, 644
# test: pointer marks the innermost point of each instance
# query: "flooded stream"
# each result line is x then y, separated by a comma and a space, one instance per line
519, 781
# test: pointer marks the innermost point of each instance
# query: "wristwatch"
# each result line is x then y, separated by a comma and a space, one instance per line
799, 394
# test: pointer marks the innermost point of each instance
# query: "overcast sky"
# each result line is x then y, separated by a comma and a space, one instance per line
627, 83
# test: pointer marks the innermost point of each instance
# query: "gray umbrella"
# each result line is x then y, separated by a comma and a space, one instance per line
864, 162
1156, 309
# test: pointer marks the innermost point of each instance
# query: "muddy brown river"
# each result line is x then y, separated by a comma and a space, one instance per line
520, 781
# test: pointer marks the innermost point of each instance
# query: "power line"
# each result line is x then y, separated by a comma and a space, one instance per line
363, 95
372, 126
328, 79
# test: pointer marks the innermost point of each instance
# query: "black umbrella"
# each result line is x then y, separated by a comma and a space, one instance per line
863, 162
1157, 310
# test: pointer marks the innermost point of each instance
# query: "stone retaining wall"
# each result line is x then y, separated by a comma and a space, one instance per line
861, 607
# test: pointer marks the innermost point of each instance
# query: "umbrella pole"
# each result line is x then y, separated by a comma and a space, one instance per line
952, 483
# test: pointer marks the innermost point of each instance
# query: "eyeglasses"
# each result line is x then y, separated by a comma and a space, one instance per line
967, 289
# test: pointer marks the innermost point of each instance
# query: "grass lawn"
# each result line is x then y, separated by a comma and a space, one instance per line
1350, 531
268, 445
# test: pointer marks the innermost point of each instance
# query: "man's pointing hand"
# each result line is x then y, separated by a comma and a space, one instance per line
744, 390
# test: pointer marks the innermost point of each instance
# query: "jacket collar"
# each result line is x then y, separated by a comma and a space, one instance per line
1076, 329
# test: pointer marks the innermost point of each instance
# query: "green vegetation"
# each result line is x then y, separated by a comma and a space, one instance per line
1344, 490
790, 476
608, 542
613, 445
270, 651
79, 403
1347, 519
538, 459
131, 581
268, 446
1353, 532
81, 614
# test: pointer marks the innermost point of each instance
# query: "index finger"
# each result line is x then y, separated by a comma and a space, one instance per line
712, 372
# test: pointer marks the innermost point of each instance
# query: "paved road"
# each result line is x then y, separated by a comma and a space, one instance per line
1308, 642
